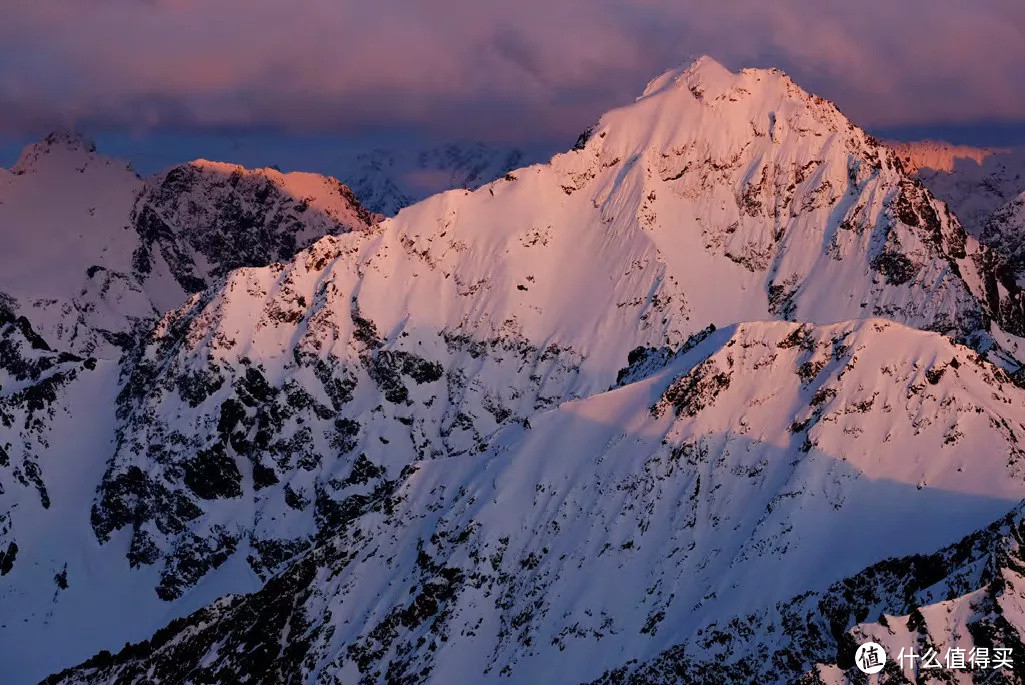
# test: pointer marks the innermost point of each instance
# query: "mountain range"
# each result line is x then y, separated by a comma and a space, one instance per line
388, 179
564, 426
985, 187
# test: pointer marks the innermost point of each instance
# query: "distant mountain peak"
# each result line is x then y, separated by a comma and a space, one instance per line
386, 180
69, 149
71, 139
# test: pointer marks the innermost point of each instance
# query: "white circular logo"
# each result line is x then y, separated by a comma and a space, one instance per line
870, 658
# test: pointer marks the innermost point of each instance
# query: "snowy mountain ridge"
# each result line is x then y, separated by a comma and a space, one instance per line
723, 339
674, 494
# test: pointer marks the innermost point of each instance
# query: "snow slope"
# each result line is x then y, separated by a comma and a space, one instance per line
621, 525
59, 588
964, 596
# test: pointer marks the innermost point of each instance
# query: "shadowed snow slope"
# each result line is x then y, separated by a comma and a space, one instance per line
620, 525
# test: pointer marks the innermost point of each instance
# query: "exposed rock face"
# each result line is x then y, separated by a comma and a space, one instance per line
207, 218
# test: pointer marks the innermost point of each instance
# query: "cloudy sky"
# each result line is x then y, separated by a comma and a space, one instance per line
521, 71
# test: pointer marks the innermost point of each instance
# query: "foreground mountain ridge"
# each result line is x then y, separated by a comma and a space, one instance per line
470, 567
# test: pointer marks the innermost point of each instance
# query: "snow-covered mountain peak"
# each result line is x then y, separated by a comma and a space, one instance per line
325, 194
206, 218
69, 139
532, 290
706, 102
766, 189
703, 70
61, 148
63, 209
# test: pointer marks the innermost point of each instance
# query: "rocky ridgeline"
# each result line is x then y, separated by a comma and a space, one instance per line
206, 219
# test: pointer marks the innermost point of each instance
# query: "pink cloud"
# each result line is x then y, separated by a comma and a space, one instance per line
485, 68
